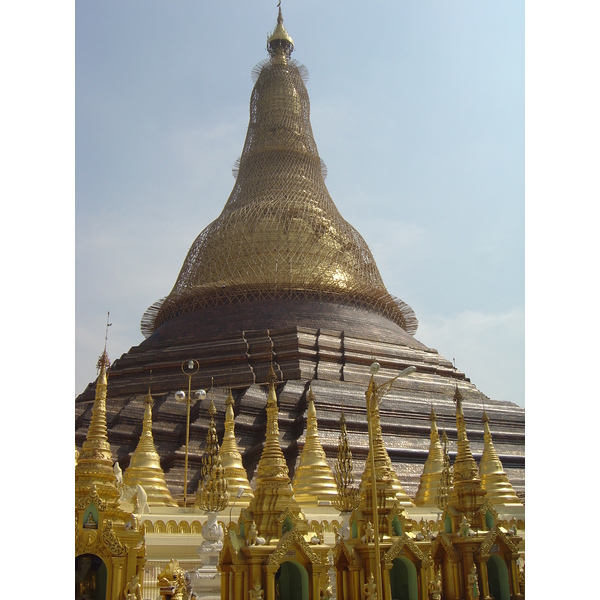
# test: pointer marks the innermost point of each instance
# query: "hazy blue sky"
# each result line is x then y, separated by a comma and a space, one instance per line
417, 109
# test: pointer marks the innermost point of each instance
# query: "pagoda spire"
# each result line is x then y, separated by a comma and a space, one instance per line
212, 495
231, 459
493, 478
313, 480
95, 463
348, 494
280, 42
389, 488
432, 471
445, 484
467, 494
144, 467
273, 493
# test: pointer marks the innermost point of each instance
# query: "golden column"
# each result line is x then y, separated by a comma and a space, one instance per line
374, 395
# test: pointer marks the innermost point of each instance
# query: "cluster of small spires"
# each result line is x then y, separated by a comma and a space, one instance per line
314, 481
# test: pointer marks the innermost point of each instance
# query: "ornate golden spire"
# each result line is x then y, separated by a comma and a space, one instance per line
493, 478
280, 236
432, 471
348, 495
445, 483
273, 492
465, 467
279, 42
467, 494
95, 464
144, 467
313, 480
389, 488
231, 459
212, 493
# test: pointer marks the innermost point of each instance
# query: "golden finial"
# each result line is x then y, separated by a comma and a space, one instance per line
348, 493
103, 360
279, 42
445, 484
212, 493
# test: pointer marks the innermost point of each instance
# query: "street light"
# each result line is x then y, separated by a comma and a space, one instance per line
189, 368
374, 395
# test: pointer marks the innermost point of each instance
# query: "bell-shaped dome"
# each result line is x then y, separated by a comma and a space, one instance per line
279, 236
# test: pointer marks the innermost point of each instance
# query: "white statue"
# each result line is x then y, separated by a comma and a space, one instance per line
118, 473
142, 499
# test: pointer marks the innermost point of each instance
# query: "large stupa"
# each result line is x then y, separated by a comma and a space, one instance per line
280, 280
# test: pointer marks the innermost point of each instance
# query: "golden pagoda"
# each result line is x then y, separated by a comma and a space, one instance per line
313, 480
273, 494
389, 488
109, 542
467, 495
231, 459
144, 467
280, 283
432, 471
493, 478
94, 466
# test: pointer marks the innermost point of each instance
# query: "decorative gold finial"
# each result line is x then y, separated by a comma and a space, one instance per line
279, 42
212, 493
445, 484
103, 360
348, 493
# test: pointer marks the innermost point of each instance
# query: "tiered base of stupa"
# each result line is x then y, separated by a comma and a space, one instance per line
233, 351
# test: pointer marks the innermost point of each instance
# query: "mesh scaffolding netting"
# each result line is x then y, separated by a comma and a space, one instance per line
279, 236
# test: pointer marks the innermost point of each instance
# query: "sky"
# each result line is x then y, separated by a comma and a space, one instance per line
417, 109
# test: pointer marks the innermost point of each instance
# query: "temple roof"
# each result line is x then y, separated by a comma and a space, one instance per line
279, 236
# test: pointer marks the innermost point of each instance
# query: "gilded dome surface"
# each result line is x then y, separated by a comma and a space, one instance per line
279, 235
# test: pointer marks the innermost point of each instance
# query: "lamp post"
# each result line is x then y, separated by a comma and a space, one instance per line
239, 494
189, 368
374, 394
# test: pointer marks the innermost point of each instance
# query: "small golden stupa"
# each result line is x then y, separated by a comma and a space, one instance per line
95, 463
493, 478
273, 493
432, 471
313, 480
144, 467
231, 459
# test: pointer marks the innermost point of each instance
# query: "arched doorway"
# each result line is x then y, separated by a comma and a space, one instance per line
403, 580
90, 577
291, 581
498, 578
